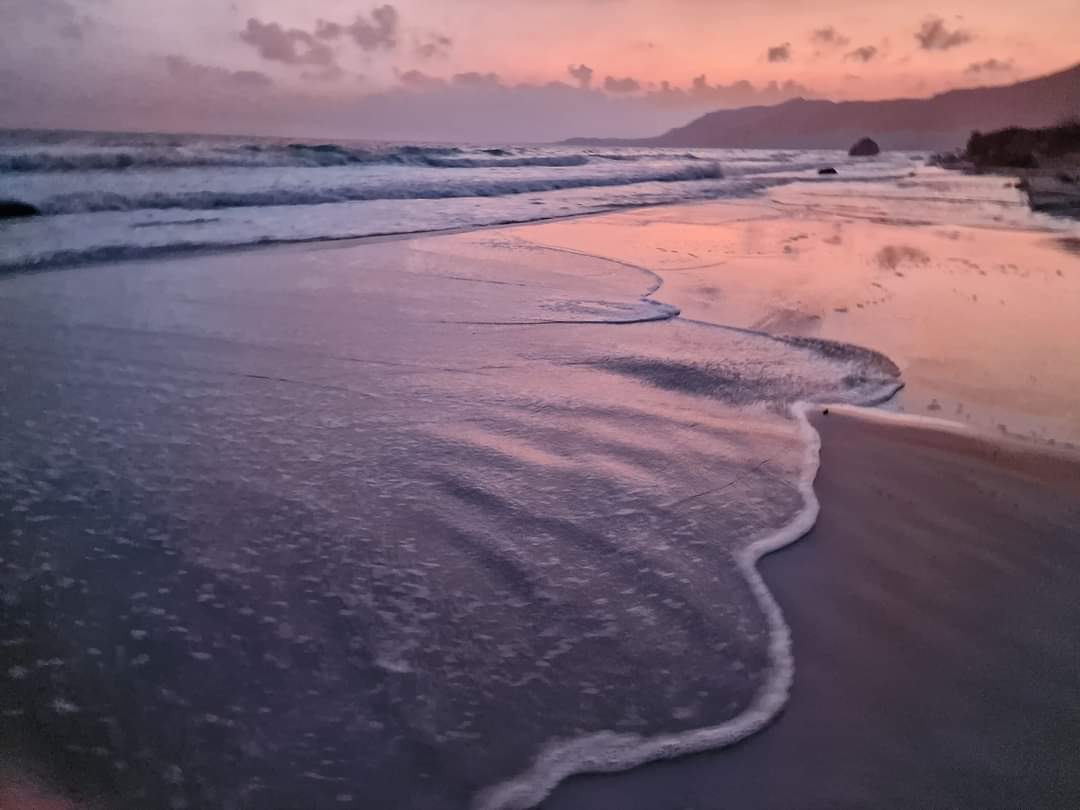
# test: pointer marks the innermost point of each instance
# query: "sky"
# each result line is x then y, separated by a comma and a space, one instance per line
495, 70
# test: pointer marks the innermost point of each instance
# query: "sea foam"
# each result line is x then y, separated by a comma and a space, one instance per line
605, 752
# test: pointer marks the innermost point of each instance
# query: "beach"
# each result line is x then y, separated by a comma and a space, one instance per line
951, 302
439, 521
931, 608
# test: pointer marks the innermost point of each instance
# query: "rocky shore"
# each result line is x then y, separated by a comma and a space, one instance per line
1047, 161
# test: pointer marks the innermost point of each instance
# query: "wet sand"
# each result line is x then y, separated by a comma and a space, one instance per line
933, 609
933, 606
982, 321
289, 528
934, 613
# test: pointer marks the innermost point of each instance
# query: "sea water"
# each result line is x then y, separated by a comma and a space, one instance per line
110, 196
427, 524
419, 523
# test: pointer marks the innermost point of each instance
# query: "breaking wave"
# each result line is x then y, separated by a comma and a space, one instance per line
295, 155
105, 196
418, 188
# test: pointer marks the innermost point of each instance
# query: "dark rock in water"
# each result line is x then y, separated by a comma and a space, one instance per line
827, 170
1066, 178
865, 148
12, 209
948, 160
1051, 194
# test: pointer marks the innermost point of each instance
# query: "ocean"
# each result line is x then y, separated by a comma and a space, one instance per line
113, 195
425, 523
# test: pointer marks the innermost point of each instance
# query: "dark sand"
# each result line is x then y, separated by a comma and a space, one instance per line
935, 611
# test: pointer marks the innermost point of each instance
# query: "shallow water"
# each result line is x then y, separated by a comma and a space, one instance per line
918, 683
972, 295
427, 523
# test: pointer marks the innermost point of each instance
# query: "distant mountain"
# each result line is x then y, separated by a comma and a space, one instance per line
943, 121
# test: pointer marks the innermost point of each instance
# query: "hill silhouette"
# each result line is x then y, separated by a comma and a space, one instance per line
940, 122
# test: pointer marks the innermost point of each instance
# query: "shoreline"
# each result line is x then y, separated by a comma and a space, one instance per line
842, 440
767, 707
950, 304
608, 752
864, 725
212, 293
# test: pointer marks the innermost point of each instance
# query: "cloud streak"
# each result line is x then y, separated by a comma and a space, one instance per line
434, 46
373, 32
582, 74
184, 70
990, 66
702, 95
183, 94
829, 37
866, 53
621, 85
935, 36
376, 31
779, 53
289, 46
476, 69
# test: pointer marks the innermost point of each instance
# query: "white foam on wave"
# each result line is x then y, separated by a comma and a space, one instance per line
396, 188
255, 156
603, 752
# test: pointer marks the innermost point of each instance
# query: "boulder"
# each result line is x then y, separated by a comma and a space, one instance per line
11, 209
827, 170
864, 148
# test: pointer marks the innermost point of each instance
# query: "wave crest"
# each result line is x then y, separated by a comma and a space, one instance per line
254, 156
91, 202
